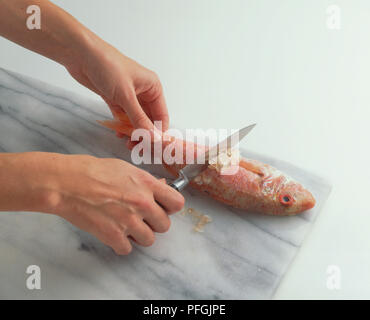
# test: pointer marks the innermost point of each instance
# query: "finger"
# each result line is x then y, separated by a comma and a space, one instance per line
170, 199
131, 144
136, 114
90, 220
157, 218
142, 234
115, 238
114, 109
158, 111
122, 248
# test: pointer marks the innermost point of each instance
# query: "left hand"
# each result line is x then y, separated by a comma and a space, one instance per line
120, 81
123, 84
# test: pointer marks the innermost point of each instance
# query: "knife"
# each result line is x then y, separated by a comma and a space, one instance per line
190, 171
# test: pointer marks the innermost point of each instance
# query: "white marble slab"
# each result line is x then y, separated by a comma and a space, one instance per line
239, 256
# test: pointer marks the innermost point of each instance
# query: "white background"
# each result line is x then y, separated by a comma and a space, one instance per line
226, 64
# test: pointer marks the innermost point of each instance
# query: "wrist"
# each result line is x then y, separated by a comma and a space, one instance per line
78, 42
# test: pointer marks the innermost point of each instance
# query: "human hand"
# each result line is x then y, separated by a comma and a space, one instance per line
122, 83
109, 198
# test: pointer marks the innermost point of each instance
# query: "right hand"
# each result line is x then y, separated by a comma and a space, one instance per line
108, 198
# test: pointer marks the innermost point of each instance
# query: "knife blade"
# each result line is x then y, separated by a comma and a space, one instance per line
190, 171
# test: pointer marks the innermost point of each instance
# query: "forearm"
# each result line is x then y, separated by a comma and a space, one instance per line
23, 183
61, 37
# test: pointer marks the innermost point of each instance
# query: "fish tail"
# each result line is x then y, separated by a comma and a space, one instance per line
121, 123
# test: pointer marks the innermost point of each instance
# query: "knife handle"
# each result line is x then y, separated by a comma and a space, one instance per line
180, 183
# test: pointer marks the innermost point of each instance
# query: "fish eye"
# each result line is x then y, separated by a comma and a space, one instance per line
286, 199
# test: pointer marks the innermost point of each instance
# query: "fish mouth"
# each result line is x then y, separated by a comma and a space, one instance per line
309, 201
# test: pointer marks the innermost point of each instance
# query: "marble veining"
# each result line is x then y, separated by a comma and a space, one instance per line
239, 256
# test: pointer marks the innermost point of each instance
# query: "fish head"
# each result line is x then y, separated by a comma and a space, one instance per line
293, 198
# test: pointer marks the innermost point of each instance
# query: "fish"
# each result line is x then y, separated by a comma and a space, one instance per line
254, 187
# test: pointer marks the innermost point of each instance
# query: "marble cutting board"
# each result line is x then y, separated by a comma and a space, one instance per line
239, 255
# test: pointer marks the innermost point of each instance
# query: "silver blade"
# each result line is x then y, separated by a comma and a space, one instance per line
229, 142
192, 170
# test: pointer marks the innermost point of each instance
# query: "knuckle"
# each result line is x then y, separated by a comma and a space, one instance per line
144, 204
140, 118
154, 76
135, 199
131, 220
147, 179
128, 93
157, 87
130, 211
116, 236
119, 243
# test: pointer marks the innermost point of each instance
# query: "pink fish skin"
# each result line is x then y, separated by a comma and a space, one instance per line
268, 191
255, 187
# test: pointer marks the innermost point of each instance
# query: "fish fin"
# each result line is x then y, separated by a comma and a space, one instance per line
251, 166
121, 115
118, 126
